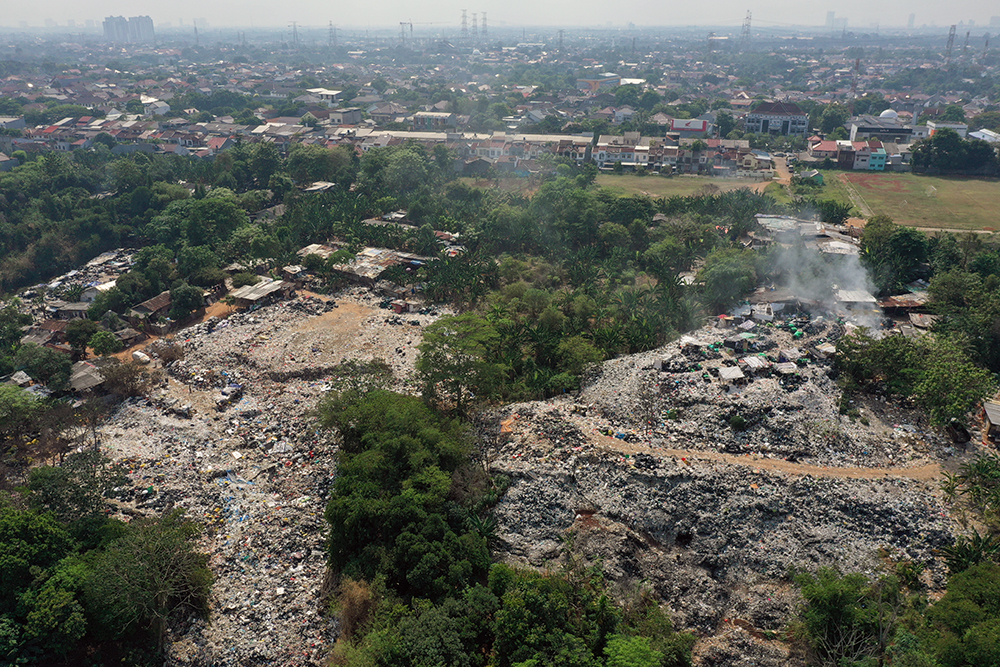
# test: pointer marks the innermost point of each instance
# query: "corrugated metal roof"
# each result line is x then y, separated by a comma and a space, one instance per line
258, 291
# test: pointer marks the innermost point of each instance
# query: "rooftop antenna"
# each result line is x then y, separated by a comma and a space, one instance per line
465, 26
951, 44
485, 32
745, 35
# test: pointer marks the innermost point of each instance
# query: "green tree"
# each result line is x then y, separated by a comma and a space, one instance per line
45, 365
728, 275
847, 619
951, 386
455, 365
146, 575
184, 300
833, 116
104, 343
79, 332
631, 652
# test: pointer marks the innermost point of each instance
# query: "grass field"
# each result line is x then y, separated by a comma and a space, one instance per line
659, 186
923, 201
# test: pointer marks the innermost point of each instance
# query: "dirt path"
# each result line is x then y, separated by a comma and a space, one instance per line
217, 309
924, 473
856, 199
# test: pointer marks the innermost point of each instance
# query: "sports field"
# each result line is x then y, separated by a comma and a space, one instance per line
923, 201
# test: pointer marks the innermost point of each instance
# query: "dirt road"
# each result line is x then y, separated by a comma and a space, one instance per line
923, 473
782, 172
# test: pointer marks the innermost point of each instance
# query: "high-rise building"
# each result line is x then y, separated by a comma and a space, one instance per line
140, 30
136, 30
116, 29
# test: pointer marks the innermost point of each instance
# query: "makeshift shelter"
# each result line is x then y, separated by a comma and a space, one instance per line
991, 422
731, 374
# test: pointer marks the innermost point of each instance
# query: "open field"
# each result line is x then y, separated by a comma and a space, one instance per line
659, 186
924, 201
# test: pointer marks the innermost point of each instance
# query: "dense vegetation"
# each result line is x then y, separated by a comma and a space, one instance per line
78, 587
410, 527
851, 620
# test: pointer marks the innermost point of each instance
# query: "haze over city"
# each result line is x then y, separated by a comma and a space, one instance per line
779, 13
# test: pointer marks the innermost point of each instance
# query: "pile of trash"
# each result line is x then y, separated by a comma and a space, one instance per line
771, 393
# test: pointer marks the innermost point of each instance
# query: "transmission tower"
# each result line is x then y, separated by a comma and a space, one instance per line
951, 45
196, 41
745, 36
332, 37
465, 27
475, 29
485, 33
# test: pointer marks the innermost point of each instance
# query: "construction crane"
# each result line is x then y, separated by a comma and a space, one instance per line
965, 47
951, 45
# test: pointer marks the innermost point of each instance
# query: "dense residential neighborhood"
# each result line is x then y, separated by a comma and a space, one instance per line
660, 114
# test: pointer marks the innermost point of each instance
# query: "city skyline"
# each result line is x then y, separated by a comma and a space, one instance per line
435, 16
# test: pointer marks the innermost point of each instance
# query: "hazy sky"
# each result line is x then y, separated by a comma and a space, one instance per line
258, 13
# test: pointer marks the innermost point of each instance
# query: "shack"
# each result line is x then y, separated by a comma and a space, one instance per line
150, 309
85, 377
732, 375
738, 343
755, 364
991, 422
266, 291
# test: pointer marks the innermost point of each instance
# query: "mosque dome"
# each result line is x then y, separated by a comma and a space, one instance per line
888, 113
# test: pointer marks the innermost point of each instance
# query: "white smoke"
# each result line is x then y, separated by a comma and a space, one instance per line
812, 275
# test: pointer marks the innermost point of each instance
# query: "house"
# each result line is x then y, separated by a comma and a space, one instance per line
90, 293
294, 273
779, 118
129, 337
85, 377
988, 136
812, 175
347, 116
153, 308
623, 115
934, 125
434, 120
823, 149
71, 311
